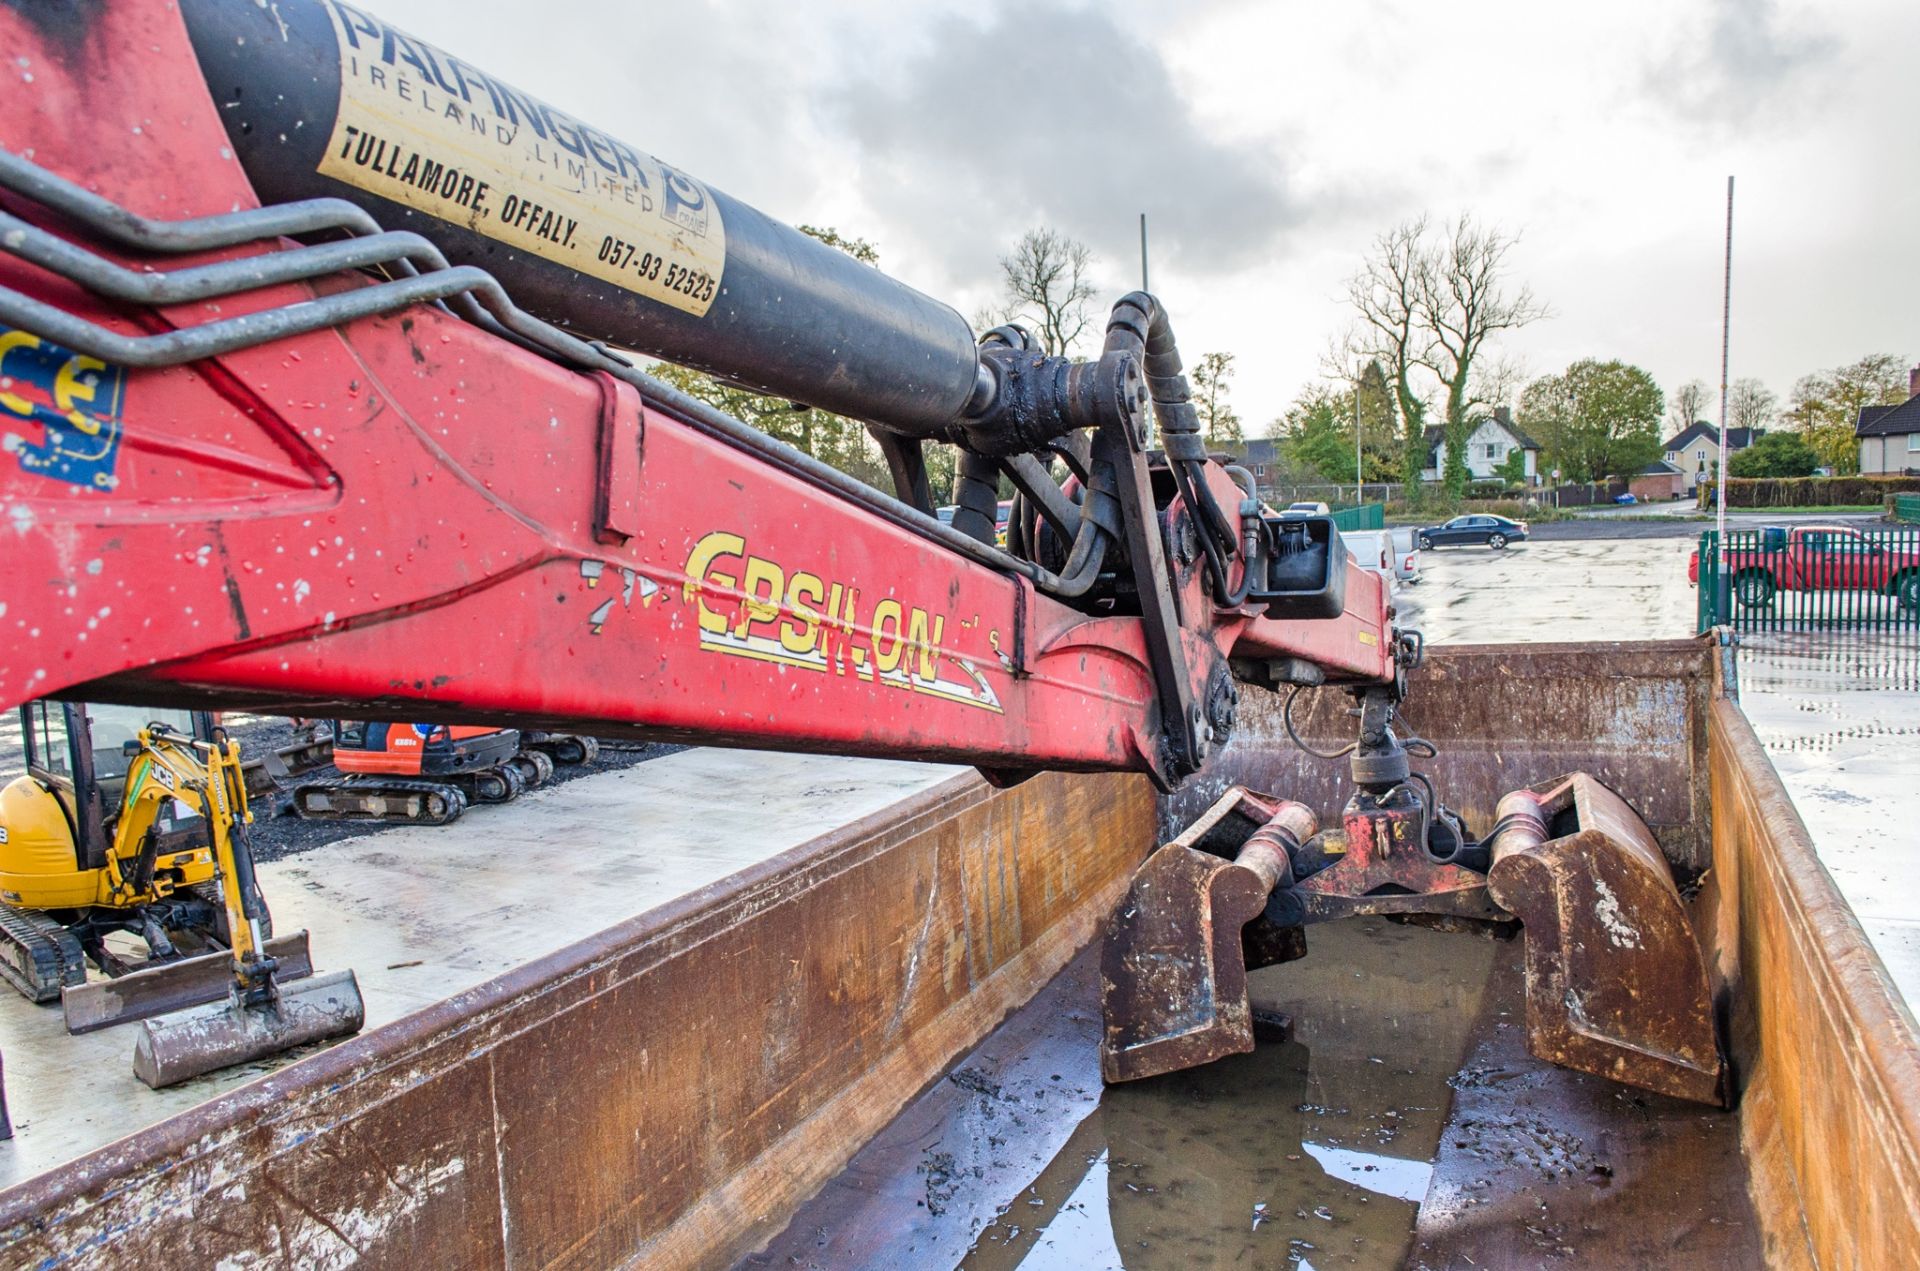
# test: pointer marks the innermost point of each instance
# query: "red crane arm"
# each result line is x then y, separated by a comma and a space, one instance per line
405, 516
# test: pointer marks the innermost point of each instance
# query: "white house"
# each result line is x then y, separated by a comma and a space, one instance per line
1488, 445
1889, 436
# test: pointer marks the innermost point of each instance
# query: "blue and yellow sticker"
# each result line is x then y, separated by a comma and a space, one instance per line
76, 401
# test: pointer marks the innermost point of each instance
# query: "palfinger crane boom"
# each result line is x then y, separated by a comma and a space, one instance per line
327, 491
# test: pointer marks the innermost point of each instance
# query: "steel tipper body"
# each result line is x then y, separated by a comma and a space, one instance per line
895, 946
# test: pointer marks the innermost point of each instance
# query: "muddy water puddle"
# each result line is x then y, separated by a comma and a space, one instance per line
1403, 1124
1315, 1152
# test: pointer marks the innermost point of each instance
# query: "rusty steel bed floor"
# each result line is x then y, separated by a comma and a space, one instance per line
1403, 1124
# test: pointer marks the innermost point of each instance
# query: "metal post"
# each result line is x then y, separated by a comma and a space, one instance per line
1143, 254
1359, 488
1722, 581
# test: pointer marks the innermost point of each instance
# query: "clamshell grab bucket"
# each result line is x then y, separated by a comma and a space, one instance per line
1173, 971
1615, 984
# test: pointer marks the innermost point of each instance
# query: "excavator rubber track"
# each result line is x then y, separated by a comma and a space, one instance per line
563, 748
394, 800
38, 956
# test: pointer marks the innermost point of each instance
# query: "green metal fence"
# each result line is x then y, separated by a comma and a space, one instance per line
1906, 508
1811, 578
1368, 516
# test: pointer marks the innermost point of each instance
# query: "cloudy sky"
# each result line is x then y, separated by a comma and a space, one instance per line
1269, 143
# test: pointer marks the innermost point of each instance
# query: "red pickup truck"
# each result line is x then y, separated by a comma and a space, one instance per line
1817, 558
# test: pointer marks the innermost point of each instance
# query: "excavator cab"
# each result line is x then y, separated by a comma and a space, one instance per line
78, 753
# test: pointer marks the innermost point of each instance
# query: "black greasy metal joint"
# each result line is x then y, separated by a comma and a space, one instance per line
1038, 397
1223, 703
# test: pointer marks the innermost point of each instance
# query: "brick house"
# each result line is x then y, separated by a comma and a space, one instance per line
1658, 482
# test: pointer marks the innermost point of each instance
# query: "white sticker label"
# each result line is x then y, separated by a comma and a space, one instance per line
422, 128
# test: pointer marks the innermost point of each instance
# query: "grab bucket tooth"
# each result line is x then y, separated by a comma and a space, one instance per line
1616, 984
1173, 974
174, 1048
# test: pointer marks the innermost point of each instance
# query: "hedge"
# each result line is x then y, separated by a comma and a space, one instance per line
1809, 492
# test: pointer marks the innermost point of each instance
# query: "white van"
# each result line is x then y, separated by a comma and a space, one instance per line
1406, 554
1373, 550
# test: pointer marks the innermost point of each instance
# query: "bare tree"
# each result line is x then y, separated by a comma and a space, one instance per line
1429, 301
1219, 422
1687, 406
1751, 404
1385, 294
1048, 288
1463, 303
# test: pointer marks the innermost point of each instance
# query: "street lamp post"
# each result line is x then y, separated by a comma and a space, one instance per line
1359, 483
1724, 599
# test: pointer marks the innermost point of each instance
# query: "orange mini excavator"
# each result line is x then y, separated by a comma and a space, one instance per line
430, 773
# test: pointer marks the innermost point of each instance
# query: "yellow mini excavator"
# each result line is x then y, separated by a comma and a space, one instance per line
133, 822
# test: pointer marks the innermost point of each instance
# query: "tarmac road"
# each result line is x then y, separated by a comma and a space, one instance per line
1636, 522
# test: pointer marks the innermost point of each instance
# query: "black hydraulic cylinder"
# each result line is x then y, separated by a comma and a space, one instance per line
321, 98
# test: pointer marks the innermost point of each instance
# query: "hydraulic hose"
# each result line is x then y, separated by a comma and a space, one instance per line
1140, 326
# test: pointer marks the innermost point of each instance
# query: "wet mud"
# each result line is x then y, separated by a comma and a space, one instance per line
1541, 1167
1316, 1151
1401, 1124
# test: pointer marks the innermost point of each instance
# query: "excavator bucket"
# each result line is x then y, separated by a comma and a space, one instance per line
172, 986
1173, 974
1616, 985
174, 1048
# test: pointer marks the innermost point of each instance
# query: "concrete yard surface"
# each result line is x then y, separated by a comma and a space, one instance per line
1583, 589
1840, 718
421, 913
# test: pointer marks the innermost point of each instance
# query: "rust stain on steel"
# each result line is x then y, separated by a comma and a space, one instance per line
173, 986
1369, 878
661, 1092
1826, 1053
1541, 1167
1616, 985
